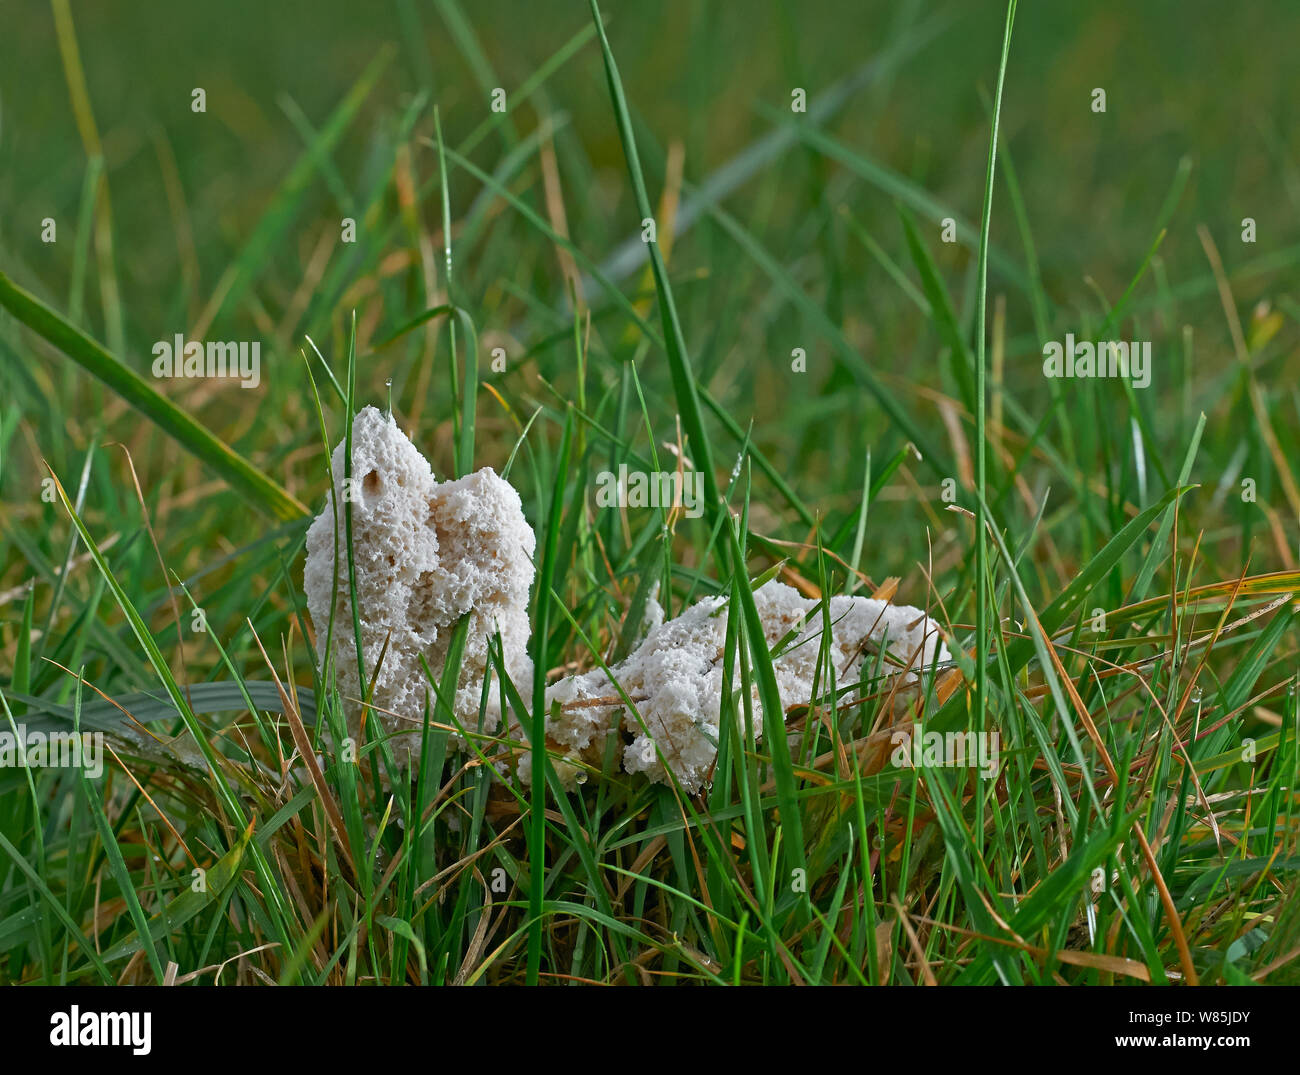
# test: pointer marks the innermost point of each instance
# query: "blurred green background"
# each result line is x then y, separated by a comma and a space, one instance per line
1200, 82
1217, 83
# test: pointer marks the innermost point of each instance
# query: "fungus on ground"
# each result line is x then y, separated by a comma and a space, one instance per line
674, 678
424, 553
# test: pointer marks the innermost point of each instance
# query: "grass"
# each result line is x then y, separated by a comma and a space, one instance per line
1115, 567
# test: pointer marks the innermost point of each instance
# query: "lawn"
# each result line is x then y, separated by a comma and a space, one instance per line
855, 270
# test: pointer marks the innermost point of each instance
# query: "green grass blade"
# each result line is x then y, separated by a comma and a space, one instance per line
241, 475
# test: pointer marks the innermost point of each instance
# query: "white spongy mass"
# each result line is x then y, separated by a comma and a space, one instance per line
424, 553
674, 678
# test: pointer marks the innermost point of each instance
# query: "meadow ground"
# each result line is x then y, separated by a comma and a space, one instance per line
771, 241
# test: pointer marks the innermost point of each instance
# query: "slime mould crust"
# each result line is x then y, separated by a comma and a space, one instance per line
675, 679
425, 553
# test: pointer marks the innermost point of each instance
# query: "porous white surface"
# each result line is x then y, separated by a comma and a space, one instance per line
425, 552
675, 678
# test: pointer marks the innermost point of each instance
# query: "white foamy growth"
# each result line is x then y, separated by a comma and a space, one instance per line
654, 611
424, 553
675, 678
